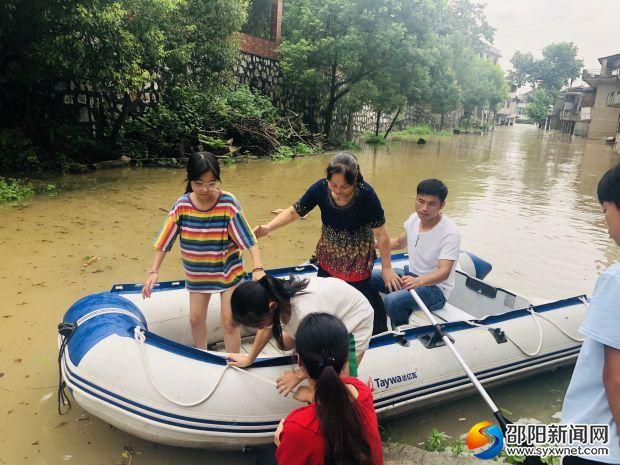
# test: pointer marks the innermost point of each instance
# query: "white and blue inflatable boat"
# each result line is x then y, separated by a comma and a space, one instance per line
130, 362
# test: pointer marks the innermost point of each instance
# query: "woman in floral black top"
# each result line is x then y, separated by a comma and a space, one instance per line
352, 219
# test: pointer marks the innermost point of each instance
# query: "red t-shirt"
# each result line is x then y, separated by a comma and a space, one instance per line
301, 440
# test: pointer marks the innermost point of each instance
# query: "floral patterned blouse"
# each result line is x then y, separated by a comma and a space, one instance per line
346, 246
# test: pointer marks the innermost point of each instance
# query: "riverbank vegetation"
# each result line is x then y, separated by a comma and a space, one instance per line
390, 56
88, 81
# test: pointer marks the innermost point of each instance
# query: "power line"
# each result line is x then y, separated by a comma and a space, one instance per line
558, 17
560, 24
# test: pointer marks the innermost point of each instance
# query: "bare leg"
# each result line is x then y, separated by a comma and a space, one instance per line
232, 333
198, 306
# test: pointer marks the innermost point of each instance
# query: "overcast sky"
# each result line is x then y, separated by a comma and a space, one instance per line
529, 25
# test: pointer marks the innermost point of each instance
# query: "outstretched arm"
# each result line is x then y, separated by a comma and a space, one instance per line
399, 242
282, 219
260, 341
153, 277
392, 281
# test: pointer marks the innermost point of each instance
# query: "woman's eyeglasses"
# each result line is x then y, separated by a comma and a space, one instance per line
210, 186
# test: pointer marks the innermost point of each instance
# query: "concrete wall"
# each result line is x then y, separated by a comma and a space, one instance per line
603, 119
581, 128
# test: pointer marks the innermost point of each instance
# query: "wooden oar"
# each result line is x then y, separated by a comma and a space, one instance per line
501, 419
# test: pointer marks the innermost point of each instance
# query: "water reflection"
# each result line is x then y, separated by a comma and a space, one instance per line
524, 200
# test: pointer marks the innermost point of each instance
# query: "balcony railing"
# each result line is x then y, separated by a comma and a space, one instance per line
596, 73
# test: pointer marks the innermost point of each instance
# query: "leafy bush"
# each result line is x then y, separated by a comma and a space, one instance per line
283, 153
17, 153
458, 447
436, 441
243, 101
420, 130
286, 152
349, 145
373, 139
12, 190
301, 149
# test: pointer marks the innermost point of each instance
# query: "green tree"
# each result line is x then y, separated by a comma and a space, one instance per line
558, 67
330, 46
444, 94
538, 104
114, 49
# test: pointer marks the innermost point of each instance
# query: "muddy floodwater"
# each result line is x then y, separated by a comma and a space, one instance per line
524, 200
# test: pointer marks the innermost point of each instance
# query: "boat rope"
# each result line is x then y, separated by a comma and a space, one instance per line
535, 315
140, 337
66, 331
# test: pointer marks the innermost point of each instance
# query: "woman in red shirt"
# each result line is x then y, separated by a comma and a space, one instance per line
339, 427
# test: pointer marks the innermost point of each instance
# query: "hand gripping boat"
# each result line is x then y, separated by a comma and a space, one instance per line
129, 361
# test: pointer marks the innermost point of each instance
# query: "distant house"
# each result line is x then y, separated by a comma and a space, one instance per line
605, 113
488, 52
512, 111
572, 110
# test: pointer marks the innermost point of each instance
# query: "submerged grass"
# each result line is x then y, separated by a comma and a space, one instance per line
414, 132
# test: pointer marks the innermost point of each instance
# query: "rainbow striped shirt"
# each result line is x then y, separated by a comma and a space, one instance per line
210, 242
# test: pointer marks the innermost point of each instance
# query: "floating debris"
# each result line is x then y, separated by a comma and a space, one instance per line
91, 260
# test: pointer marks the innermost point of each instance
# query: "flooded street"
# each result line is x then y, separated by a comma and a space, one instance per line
524, 200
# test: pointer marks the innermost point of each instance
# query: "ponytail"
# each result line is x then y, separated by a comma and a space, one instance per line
250, 302
322, 343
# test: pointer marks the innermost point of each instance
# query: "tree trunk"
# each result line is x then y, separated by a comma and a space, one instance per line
118, 124
349, 135
329, 114
30, 130
378, 123
443, 115
331, 103
393, 122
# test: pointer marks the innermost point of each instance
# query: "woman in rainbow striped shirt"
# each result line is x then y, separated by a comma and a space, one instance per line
213, 232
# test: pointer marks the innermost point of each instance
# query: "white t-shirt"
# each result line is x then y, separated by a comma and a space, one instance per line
334, 296
425, 249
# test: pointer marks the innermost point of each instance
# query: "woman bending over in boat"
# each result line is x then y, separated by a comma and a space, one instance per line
340, 425
276, 306
352, 219
213, 231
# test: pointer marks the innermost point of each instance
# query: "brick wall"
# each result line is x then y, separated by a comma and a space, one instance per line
259, 47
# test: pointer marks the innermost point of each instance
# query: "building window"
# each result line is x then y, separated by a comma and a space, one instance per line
611, 98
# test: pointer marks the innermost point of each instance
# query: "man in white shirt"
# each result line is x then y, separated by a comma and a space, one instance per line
433, 243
